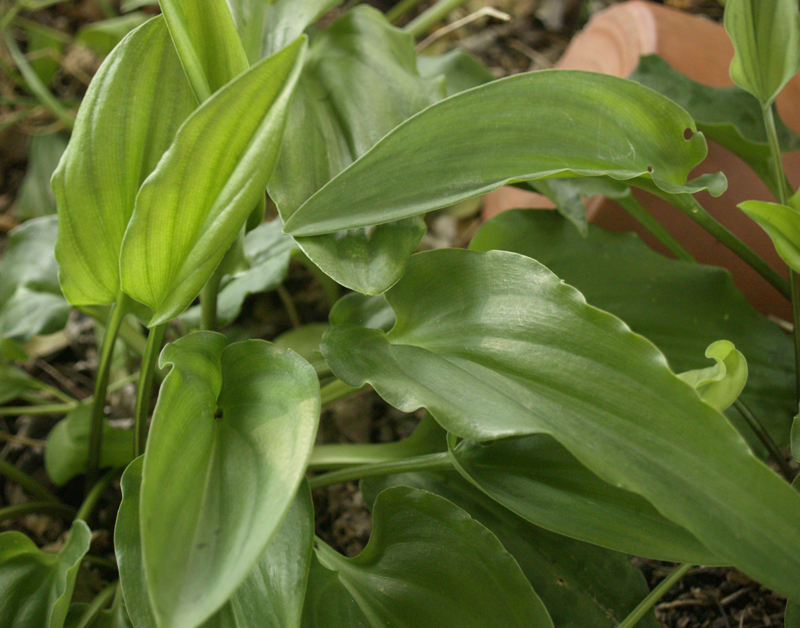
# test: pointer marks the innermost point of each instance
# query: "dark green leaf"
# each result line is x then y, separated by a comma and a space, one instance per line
461, 70
556, 123
36, 586
363, 310
680, 307
31, 302
427, 563
35, 197
116, 143
249, 412
493, 345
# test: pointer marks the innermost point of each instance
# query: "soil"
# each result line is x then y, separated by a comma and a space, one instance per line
525, 35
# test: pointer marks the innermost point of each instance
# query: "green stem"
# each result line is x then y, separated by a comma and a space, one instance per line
9, 16
765, 438
27, 482
644, 218
288, 305
333, 456
417, 463
118, 312
654, 596
55, 392
17, 510
154, 341
96, 605
208, 302
336, 390
95, 493
44, 409
400, 9
421, 24
35, 85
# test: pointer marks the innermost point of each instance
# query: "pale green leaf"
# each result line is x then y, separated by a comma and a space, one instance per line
35, 197
494, 345
580, 584
67, 448
305, 341
249, 412
554, 123
782, 224
766, 40
31, 302
36, 586
116, 143
191, 208
719, 385
427, 563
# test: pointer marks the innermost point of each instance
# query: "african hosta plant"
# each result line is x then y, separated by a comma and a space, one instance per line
558, 438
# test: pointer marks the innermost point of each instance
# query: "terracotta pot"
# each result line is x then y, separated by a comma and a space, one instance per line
611, 43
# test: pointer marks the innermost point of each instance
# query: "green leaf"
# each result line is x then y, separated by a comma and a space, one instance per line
271, 596
102, 36
116, 143
208, 510
719, 385
31, 302
359, 59
14, 382
305, 342
36, 586
67, 449
236, 135
494, 345
580, 584
363, 310
461, 70
427, 563
554, 123
782, 224
207, 43
766, 41
35, 197
680, 307
727, 115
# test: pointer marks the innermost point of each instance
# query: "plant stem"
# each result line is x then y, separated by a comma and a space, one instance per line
332, 456
417, 463
95, 493
336, 390
118, 312
288, 305
765, 438
154, 342
400, 9
208, 303
421, 24
10, 512
56, 408
654, 596
96, 605
643, 217
27, 482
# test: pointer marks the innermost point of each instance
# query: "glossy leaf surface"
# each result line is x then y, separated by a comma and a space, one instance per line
191, 209
554, 123
208, 510
67, 449
680, 307
115, 145
272, 594
580, 584
719, 385
494, 345
360, 81
31, 302
782, 224
413, 573
766, 40
36, 586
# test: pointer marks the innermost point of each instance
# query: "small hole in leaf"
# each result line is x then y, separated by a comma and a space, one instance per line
560, 582
650, 169
688, 134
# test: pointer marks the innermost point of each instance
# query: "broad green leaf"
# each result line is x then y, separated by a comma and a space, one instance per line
494, 345
207, 43
67, 449
116, 143
719, 385
102, 36
782, 224
461, 70
271, 595
580, 584
14, 382
359, 59
31, 302
35, 197
766, 41
554, 123
305, 341
680, 307
267, 251
36, 586
427, 563
539, 480
235, 136
208, 510
363, 310
727, 115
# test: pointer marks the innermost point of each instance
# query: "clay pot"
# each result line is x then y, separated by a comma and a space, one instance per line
611, 43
